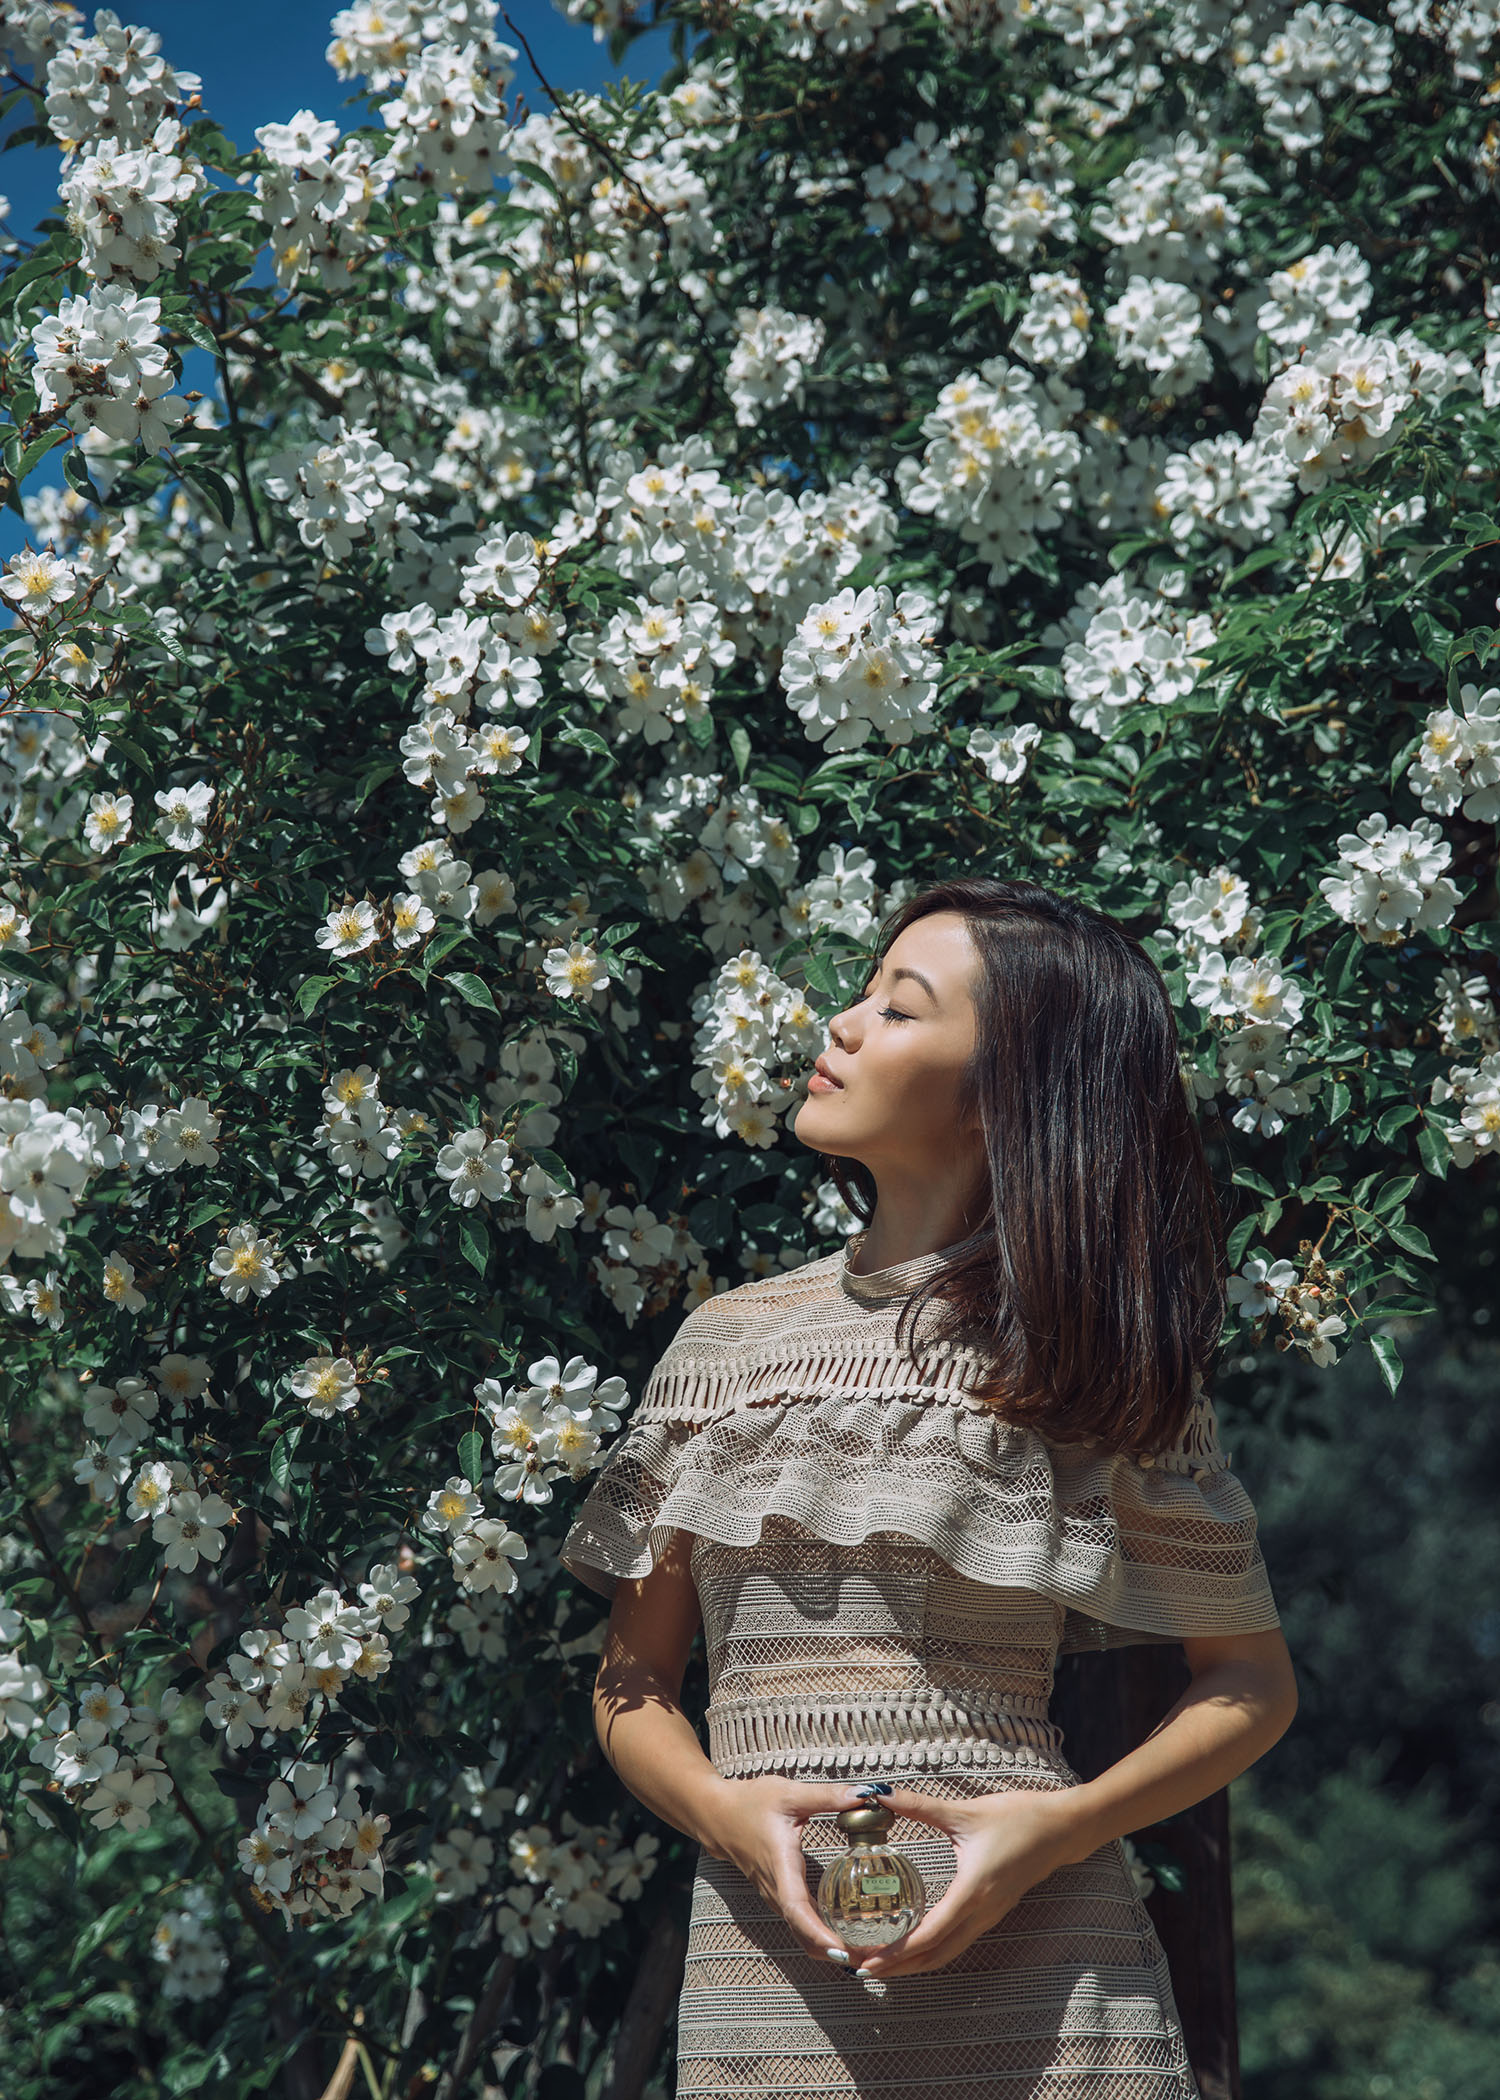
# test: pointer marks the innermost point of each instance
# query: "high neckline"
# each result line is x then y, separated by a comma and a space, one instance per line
896, 1279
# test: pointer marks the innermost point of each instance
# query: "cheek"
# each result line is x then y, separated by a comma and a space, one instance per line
918, 1080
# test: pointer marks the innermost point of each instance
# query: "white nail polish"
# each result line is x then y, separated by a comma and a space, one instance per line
837, 1953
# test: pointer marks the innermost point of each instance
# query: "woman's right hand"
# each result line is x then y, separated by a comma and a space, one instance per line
756, 1824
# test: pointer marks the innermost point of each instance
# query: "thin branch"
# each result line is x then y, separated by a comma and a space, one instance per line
586, 131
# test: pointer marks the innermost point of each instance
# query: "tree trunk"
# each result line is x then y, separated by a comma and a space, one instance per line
1106, 1705
647, 2010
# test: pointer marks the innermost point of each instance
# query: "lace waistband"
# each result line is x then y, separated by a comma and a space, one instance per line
913, 1732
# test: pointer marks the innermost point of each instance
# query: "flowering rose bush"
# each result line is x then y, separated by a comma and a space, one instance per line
526, 595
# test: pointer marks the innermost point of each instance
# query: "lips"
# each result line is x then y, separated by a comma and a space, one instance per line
822, 1067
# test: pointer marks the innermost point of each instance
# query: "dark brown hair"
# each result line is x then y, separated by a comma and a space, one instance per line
1095, 1280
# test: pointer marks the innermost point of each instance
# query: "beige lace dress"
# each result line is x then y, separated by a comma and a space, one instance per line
887, 1571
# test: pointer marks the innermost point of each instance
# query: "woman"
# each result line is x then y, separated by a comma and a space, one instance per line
888, 1540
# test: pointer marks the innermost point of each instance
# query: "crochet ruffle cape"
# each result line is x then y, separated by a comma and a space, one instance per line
789, 1396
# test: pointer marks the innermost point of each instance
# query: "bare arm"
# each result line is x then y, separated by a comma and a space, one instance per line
1241, 1700
638, 1716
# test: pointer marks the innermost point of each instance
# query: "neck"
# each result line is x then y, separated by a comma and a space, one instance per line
894, 1236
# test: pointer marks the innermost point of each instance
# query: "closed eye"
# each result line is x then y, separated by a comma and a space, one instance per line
891, 1013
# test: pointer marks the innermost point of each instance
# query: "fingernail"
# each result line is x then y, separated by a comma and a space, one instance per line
837, 1953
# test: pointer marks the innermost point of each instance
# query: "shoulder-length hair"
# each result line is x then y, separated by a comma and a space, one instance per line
1095, 1281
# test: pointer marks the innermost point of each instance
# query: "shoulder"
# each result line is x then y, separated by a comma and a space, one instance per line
725, 1337
730, 1316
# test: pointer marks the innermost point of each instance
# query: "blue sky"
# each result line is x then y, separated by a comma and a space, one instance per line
261, 64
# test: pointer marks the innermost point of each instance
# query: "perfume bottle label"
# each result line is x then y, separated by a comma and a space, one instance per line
880, 1884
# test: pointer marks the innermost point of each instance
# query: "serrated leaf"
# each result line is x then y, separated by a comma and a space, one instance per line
471, 1457
472, 989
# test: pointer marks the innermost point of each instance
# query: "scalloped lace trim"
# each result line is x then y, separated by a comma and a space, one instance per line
1170, 1550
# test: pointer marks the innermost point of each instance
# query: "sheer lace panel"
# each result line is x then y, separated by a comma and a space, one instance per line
1068, 1997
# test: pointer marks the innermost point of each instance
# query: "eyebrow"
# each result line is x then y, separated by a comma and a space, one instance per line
874, 971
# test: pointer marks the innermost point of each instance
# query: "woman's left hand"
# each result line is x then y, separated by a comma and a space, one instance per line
1006, 1843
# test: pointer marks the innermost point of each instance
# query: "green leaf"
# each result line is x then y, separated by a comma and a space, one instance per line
1388, 1357
1435, 640
821, 974
76, 474
472, 989
585, 738
197, 332
1434, 1151
474, 1240
40, 447
1394, 1194
1249, 1179
217, 490
1412, 1238
1262, 558
282, 1452
1395, 1119
371, 779
471, 1457
311, 990
98, 1930
739, 744
1343, 962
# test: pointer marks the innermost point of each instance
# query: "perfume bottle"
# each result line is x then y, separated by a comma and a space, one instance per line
872, 1895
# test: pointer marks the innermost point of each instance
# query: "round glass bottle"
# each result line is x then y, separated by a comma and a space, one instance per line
871, 1895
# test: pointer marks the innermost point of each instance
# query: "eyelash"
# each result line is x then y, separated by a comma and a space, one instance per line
891, 1013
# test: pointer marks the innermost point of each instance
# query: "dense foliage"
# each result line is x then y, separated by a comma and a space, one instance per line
527, 594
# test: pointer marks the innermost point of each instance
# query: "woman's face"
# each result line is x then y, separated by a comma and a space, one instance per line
899, 1051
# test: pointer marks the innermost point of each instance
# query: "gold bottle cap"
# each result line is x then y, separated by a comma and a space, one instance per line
870, 1819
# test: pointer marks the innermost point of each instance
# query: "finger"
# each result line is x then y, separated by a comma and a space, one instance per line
815, 1799
940, 1938
795, 1903
902, 1961
924, 1808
